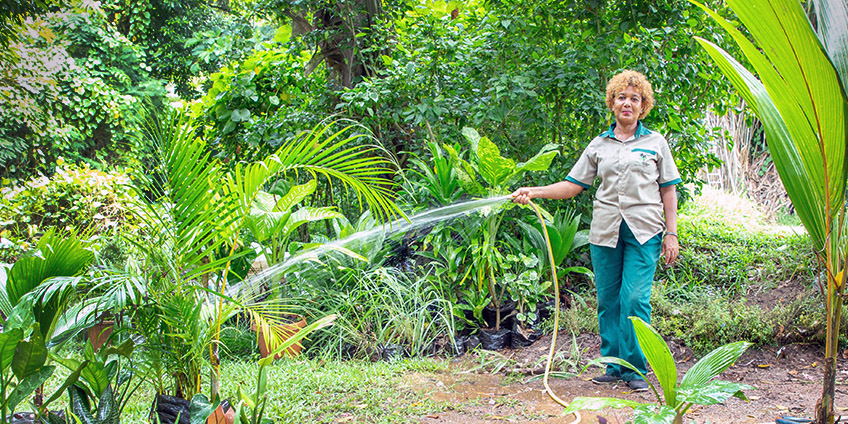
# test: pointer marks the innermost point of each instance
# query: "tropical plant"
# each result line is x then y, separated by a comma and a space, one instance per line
438, 182
498, 174
192, 212
524, 286
23, 363
104, 387
564, 237
697, 386
803, 104
272, 219
45, 279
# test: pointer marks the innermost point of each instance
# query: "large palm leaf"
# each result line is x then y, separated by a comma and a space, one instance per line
338, 156
803, 106
34, 278
800, 102
183, 212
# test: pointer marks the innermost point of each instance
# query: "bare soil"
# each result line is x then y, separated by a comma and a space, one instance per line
787, 380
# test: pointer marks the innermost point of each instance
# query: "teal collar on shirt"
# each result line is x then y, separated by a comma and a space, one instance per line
640, 131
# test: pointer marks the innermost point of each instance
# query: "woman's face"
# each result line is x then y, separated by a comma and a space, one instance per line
627, 106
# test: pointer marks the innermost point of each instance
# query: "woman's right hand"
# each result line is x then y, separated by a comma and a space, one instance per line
522, 195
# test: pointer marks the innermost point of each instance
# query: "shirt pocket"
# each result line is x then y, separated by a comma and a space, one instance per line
643, 160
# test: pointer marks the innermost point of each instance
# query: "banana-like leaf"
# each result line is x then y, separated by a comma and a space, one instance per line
713, 392
713, 364
594, 404
800, 101
658, 355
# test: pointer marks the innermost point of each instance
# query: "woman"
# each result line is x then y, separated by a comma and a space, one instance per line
637, 188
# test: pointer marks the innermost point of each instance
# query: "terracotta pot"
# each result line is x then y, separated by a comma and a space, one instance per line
100, 332
283, 331
223, 414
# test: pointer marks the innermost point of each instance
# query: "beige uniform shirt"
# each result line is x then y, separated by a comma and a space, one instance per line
631, 174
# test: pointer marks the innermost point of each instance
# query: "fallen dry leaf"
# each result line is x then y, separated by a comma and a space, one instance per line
793, 372
435, 417
781, 407
814, 364
764, 365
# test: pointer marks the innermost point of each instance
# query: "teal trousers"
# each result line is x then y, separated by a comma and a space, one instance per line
623, 278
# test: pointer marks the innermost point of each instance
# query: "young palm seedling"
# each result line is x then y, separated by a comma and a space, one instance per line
697, 386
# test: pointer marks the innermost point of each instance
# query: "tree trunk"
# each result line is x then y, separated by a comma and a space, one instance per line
824, 407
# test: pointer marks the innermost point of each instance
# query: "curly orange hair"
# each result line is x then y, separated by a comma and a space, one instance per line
618, 83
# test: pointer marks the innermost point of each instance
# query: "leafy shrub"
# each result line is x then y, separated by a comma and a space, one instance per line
74, 196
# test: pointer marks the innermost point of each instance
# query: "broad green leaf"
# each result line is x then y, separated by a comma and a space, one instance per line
541, 161
309, 214
713, 392
653, 414
8, 342
804, 110
97, 377
472, 136
713, 364
658, 355
125, 349
296, 195
832, 18
30, 355
493, 167
200, 409
264, 224
594, 404
465, 173
28, 385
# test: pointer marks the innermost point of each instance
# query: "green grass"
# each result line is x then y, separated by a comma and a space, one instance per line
320, 391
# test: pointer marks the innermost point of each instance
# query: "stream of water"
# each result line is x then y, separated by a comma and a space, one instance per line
420, 220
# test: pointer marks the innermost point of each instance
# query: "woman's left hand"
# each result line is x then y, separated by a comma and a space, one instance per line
670, 248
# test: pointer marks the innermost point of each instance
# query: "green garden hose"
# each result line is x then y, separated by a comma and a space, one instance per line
556, 316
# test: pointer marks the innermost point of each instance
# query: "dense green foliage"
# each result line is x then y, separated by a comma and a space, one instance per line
184, 140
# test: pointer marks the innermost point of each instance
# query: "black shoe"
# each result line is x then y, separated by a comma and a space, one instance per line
638, 385
606, 379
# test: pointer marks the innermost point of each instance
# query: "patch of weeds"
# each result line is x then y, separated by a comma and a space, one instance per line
706, 319
581, 317
565, 364
719, 255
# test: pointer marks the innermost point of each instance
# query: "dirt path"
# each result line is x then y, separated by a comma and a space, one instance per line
788, 382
